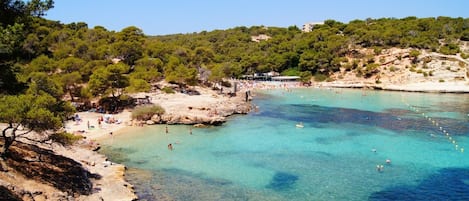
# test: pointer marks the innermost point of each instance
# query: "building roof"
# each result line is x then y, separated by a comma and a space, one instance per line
284, 78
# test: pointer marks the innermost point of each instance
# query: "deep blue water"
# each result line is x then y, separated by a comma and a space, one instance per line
264, 156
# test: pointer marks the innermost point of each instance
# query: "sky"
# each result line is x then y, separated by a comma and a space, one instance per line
162, 17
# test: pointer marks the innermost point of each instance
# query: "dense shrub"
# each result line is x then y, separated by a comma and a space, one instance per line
168, 90
146, 112
449, 49
291, 72
65, 138
464, 56
320, 77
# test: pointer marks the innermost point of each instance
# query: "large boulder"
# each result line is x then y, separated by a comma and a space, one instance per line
150, 122
156, 118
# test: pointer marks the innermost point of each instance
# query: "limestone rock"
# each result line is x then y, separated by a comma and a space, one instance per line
156, 118
200, 125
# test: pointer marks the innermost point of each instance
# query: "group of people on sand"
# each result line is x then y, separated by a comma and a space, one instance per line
107, 119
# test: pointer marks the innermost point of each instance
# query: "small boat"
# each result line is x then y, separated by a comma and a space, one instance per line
299, 125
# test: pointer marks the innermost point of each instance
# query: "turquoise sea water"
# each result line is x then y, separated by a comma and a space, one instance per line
264, 156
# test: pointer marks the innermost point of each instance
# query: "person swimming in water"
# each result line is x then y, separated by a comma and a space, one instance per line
170, 146
379, 168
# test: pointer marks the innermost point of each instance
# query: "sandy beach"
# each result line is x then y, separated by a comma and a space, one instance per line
89, 127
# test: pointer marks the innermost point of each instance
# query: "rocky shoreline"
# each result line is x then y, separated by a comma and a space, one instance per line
199, 116
425, 87
209, 108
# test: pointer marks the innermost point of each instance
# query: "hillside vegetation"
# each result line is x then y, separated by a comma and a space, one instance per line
78, 62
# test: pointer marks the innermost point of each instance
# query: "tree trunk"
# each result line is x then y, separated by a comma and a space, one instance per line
6, 146
70, 93
8, 140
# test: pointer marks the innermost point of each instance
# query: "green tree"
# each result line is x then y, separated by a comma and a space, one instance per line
109, 80
72, 64
129, 44
182, 75
27, 113
15, 19
148, 69
42, 64
202, 55
138, 85
305, 76
70, 83
217, 73
43, 83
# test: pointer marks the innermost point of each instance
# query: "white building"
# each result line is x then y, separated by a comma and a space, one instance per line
309, 26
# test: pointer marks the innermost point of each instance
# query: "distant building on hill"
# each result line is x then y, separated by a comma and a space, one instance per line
260, 37
309, 26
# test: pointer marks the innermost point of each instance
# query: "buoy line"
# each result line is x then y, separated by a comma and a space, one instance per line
436, 124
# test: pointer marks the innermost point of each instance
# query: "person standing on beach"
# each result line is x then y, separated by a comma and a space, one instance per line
167, 130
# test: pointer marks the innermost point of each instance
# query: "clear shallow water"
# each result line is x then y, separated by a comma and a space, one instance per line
263, 156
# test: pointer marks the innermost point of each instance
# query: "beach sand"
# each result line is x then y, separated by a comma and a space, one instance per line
95, 130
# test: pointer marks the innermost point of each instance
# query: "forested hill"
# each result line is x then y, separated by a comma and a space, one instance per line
76, 61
